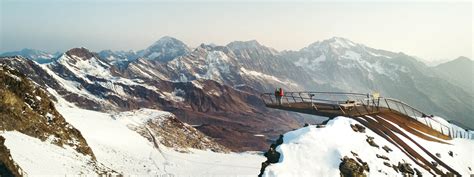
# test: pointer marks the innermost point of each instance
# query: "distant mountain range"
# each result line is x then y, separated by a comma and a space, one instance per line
335, 64
33, 54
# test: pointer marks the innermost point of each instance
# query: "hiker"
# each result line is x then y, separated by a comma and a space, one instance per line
280, 92
277, 96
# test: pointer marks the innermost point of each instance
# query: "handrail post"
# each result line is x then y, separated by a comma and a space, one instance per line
365, 107
403, 107
293, 97
387, 104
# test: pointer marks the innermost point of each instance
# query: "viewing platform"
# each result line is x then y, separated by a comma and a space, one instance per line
358, 105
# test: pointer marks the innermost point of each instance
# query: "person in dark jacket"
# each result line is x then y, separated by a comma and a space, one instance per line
277, 96
280, 95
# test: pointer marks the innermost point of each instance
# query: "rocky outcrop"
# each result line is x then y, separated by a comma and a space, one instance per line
358, 128
81, 53
351, 168
25, 107
386, 148
8, 167
382, 157
406, 169
175, 134
371, 142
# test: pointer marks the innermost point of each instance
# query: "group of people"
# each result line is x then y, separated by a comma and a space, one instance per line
278, 95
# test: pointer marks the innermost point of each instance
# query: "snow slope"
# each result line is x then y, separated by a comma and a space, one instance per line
43, 158
312, 151
125, 151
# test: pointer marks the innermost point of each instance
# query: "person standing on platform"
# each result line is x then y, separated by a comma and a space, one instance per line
280, 95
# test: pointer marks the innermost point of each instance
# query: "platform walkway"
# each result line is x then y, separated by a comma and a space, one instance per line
333, 104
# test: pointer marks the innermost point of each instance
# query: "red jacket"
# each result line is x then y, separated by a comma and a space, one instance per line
281, 92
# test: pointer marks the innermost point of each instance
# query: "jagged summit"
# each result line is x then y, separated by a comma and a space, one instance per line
213, 47
246, 49
244, 44
81, 53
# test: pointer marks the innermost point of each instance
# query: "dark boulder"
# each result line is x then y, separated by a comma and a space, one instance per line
405, 169
351, 168
387, 149
358, 128
371, 141
382, 157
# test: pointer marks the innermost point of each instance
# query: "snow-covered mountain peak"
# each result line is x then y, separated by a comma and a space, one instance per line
80, 53
342, 48
118, 56
342, 42
333, 44
81, 62
167, 39
165, 49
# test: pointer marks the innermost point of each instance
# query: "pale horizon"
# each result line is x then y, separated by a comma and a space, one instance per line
432, 31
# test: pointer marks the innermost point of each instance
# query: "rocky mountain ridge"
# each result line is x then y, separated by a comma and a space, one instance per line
336, 64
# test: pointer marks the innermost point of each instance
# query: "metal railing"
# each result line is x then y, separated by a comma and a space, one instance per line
364, 104
407, 110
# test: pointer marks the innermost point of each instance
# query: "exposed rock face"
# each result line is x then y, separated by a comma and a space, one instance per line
173, 133
26, 108
8, 167
405, 169
371, 141
358, 128
387, 149
351, 168
417, 172
81, 53
383, 157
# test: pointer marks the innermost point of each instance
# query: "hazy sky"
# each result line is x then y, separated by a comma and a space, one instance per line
431, 30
